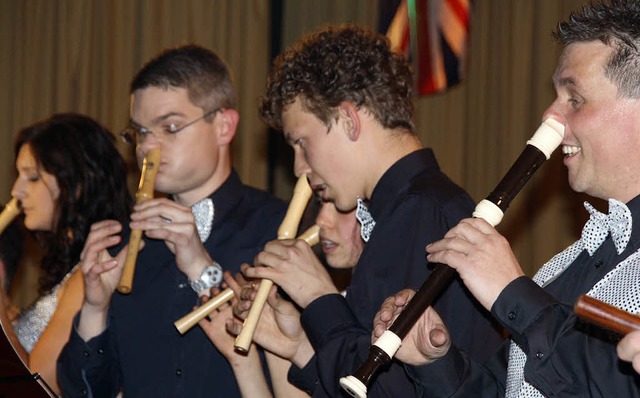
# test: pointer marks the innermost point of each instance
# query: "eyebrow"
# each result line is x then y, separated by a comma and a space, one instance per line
288, 138
564, 81
29, 169
157, 120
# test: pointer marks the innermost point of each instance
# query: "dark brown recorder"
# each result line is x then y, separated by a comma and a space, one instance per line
539, 148
605, 315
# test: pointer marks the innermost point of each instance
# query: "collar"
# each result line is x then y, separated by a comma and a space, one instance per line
634, 242
227, 196
634, 207
397, 179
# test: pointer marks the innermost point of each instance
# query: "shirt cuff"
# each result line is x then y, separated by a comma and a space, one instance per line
324, 315
306, 378
87, 349
519, 305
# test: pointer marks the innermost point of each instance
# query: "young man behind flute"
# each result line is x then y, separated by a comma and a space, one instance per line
184, 102
551, 353
344, 102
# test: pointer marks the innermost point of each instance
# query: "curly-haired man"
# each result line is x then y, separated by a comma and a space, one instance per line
344, 102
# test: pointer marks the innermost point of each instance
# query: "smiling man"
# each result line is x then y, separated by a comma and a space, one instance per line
552, 353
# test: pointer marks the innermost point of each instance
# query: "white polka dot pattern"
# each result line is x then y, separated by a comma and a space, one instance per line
617, 222
619, 287
203, 212
367, 223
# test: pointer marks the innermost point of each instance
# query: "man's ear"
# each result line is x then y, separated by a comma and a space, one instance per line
227, 123
350, 120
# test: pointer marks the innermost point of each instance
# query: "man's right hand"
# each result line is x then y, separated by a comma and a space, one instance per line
101, 276
427, 341
279, 329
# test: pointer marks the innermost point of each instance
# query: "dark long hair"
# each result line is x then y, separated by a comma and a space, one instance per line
91, 175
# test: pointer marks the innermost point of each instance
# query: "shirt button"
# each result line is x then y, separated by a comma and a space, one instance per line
539, 355
599, 263
512, 315
86, 354
84, 392
100, 351
178, 372
182, 285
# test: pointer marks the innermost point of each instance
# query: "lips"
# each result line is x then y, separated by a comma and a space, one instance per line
318, 187
327, 245
319, 190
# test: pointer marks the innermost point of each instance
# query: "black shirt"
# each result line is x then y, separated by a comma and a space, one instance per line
566, 357
413, 204
141, 351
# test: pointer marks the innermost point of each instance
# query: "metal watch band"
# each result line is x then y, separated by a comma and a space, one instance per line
210, 277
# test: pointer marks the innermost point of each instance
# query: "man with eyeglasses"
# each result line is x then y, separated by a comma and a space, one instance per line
183, 102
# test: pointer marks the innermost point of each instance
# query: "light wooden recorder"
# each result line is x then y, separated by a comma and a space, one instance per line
145, 192
605, 315
301, 195
11, 211
191, 319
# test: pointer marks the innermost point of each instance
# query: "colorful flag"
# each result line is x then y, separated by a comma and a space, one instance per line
433, 35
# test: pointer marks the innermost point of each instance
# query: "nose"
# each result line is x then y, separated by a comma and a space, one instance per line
325, 219
300, 164
17, 190
149, 138
555, 112
148, 143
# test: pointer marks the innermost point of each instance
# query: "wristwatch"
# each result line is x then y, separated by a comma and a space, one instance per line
210, 277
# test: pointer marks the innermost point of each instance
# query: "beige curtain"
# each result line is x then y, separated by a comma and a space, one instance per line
79, 55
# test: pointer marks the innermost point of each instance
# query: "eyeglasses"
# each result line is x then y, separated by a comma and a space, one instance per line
137, 134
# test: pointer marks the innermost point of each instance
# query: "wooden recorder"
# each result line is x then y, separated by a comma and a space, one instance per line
150, 166
301, 195
311, 236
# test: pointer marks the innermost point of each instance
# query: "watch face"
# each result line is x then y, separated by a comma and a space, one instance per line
211, 276
214, 272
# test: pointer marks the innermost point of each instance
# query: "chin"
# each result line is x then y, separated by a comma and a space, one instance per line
344, 207
577, 186
337, 263
35, 227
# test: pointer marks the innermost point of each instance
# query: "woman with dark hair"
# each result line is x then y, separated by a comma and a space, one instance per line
70, 175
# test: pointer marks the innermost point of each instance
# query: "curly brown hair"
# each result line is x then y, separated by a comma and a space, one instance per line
336, 64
